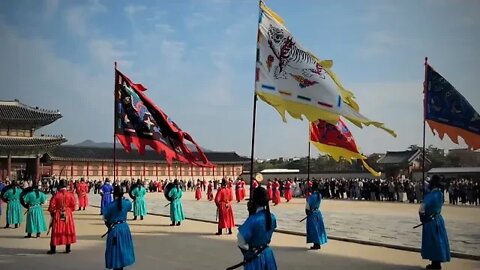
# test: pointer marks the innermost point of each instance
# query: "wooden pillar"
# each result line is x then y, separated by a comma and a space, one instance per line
203, 173
130, 170
180, 171
213, 172
71, 169
88, 169
156, 170
191, 172
223, 171
168, 167
102, 172
37, 169
9, 168
144, 171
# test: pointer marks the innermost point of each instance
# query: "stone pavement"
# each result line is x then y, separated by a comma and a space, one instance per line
347, 221
193, 246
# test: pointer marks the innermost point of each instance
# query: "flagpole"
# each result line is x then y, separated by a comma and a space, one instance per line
308, 160
114, 125
252, 153
425, 88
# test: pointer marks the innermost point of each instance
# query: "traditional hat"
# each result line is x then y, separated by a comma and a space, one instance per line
260, 196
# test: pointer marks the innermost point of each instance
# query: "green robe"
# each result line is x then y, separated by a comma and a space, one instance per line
176, 208
139, 205
35, 218
14, 209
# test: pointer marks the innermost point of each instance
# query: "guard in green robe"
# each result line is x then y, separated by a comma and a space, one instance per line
14, 209
139, 204
176, 208
35, 218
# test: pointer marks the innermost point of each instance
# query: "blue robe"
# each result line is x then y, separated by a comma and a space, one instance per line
2, 185
176, 208
119, 251
106, 192
435, 246
255, 235
139, 205
315, 227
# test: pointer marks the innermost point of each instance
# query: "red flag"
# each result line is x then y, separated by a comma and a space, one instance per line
337, 141
139, 121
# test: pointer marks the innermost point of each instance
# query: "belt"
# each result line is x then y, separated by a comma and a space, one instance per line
112, 225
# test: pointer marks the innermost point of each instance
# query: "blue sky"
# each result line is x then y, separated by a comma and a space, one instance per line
197, 59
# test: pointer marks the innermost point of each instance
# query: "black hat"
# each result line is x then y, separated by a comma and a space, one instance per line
435, 182
315, 186
118, 191
224, 182
175, 182
260, 196
62, 183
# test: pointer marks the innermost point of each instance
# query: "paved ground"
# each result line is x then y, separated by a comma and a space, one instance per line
193, 246
380, 222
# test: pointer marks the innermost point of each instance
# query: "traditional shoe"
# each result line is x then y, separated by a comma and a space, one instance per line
230, 231
178, 224
38, 235
16, 226
134, 218
52, 250
173, 224
141, 217
219, 232
68, 249
7, 226
433, 266
28, 236
315, 247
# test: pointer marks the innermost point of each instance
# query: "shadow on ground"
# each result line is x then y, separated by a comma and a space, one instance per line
177, 250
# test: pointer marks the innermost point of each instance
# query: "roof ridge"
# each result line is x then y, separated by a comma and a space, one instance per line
21, 104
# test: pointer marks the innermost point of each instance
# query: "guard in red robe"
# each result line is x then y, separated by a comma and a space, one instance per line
198, 191
82, 193
254, 184
238, 192
223, 200
230, 187
309, 188
242, 189
288, 190
269, 190
276, 192
210, 191
61, 208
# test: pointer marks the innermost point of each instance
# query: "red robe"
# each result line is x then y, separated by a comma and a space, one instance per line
309, 188
198, 192
238, 192
63, 231
225, 210
82, 193
210, 192
288, 191
254, 184
269, 190
242, 190
276, 192
230, 188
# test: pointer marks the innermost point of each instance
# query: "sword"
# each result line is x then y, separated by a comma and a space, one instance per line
303, 219
167, 204
50, 226
247, 260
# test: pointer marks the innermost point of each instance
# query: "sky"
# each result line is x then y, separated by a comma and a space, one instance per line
197, 59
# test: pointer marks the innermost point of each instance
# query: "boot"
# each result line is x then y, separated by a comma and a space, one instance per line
53, 249
67, 249
219, 232
229, 230
434, 265
16, 226
29, 235
173, 224
315, 246
83, 208
38, 235
135, 218
79, 209
141, 217
178, 223
7, 226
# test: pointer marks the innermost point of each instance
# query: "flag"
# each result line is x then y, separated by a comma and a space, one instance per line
139, 121
293, 80
337, 141
448, 112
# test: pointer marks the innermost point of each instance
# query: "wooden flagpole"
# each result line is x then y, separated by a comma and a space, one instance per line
255, 98
425, 89
308, 160
115, 94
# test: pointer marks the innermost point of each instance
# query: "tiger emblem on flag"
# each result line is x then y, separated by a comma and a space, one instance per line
289, 55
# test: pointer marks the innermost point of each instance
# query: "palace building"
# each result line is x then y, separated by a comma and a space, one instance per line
20, 149
25, 156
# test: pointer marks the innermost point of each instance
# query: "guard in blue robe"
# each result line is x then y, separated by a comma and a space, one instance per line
255, 234
106, 192
176, 207
2, 185
435, 246
119, 251
316, 233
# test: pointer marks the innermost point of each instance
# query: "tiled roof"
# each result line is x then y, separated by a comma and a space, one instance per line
398, 157
28, 145
14, 114
80, 153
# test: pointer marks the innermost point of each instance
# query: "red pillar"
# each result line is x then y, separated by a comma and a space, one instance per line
203, 173
144, 171
223, 171
9, 168
37, 169
180, 171
130, 170
102, 170
71, 169
168, 167
156, 170
88, 169
213, 172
